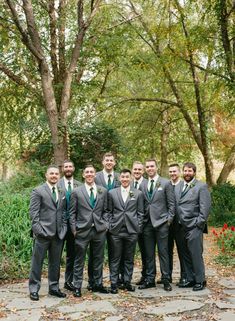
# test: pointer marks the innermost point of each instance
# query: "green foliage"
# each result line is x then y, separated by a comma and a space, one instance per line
15, 241
223, 205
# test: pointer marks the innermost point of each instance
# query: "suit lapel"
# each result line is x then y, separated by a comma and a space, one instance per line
86, 196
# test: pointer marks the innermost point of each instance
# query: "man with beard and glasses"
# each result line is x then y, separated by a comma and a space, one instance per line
67, 183
193, 202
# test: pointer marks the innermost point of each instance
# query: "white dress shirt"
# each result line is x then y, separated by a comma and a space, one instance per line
106, 177
155, 178
56, 190
66, 181
88, 189
125, 192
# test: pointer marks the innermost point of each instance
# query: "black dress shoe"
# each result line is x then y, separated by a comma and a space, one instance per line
187, 284
77, 293
114, 289
162, 281
129, 287
69, 286
89, 287
199, 286
34, 296
147, 285
57, 293
140, 282
181, 281
167, 286
100, 289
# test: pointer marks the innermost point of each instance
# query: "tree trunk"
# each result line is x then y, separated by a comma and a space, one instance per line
164, 138
228, 167
4, 171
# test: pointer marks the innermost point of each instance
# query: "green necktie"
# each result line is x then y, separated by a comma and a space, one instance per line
136, 184
109, 182
185, 190
69, 187
151, 188
92, 197
54, 193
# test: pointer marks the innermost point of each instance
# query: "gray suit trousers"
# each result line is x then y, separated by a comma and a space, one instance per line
193, 259
122, 246
97, 243
40, 248
152, 237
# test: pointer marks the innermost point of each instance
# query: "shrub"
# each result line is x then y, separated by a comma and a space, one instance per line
223, 205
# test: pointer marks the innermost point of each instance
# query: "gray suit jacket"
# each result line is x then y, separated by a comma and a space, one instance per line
161, 207
82, 215
99, 179
130, 213
193, 208
47, 216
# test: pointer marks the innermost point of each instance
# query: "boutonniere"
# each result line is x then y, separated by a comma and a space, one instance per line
99, 191
191, 185
131, 193
59, 190
158, 186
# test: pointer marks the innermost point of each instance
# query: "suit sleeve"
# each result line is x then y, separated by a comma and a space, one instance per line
105, 209
35, 205
140, 210
170, 195
204, 206
110, 208
73, 211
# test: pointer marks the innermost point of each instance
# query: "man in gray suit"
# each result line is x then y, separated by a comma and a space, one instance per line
126, 213
47, 212
193, 204
68, 183
109, 179
137, 182
159, 214
175, 235
89, 223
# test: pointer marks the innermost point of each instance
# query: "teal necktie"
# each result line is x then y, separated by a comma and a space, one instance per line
136, 184
110, 185
69, 187
151, 188
185, 190
92, 197
54, 193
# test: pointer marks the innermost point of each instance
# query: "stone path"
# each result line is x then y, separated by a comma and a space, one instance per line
216, 302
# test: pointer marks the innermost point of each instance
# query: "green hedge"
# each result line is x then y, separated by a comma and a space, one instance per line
223, 205
15, 241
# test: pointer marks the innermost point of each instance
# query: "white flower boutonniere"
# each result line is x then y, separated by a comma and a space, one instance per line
158, 186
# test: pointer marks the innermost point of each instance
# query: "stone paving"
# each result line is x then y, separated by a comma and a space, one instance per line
216, 302
149, 304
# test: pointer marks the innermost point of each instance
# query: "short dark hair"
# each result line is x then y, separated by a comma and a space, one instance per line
190, 165
151, 160
88, 165
125, 170
68, 161
108, 154
52, 166
174, 165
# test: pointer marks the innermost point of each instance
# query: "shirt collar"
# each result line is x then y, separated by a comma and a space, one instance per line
50, 186
190, 183
155, 178
125, 189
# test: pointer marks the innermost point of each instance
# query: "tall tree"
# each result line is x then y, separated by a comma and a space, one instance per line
44, 29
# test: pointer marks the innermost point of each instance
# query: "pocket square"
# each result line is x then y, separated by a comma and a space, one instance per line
63, 198
159, 189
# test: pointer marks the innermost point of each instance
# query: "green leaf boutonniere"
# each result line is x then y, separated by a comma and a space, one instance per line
99, 191
158, 184
192, 185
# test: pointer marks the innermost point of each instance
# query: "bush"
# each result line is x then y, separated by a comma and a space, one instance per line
223, 205
15, 240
